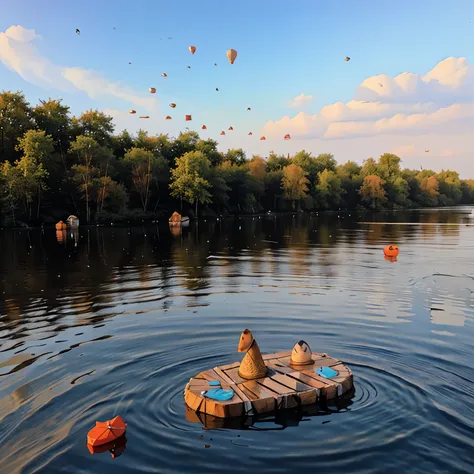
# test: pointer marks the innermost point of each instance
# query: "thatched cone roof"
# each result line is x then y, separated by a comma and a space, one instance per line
176, 217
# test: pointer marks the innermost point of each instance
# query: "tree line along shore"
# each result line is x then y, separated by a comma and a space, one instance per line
53, 164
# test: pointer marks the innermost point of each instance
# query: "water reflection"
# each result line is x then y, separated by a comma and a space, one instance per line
104, 321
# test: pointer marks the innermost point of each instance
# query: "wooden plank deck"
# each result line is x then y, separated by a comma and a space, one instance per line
284, 386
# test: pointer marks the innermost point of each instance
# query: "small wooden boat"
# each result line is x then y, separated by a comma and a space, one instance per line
267, 383
72, 221
61, 226
178, 219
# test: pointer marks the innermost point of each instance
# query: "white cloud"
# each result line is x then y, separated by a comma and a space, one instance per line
19, 54
440, 101
301, 100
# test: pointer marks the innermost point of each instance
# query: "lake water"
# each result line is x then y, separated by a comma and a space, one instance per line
115, 321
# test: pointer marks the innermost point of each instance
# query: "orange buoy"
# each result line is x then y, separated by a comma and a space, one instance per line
390, 259
172, 105
250, 133
231, 128
222, 133
133, 111
188, 118
168, 117
144, 116
287, 137
262, 138
204, 127
106, 431
116, 447
164, 74
248, 108
152, 90
390, 250
61, 226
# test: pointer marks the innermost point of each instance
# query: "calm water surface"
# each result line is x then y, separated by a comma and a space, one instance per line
115, 321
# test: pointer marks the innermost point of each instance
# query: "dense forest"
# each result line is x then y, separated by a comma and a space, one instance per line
53, 165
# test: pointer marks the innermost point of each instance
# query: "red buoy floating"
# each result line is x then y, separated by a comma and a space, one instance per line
188, 118
106, 431
390, 250
116, 447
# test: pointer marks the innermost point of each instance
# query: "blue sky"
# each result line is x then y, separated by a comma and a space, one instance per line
284, 49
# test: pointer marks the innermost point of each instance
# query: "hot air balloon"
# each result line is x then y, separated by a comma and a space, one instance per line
172, 106
204, 127
152, 90
250, 133
168, 117
287, 137
133, 111
222, 133
347, 58
144, 116
192, 49
231, 55
164, 74
231, 128
188, 118
262, 138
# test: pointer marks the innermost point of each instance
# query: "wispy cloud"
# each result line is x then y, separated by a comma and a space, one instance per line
301, 101
440, 101
19, 54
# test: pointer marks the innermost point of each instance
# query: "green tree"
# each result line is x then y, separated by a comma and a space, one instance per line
94, 124
372, 191
189, 179
92, 158
15, 120
388, 167
277, 162
450, 192
295, 183
37, 148
329, 189
467, 188
351, 181
209, 148
52, 117
273, 188
146, 170
369, 168
236, 156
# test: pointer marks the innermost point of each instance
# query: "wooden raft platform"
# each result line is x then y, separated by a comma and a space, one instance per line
284, 387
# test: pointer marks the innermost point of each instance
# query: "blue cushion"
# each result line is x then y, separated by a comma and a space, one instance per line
326, 372
219, 394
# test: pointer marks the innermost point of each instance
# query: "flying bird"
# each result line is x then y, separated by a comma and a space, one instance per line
347, 58
78, 31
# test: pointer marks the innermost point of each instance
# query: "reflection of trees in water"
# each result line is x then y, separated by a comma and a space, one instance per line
76, 280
